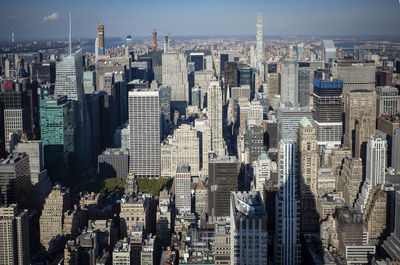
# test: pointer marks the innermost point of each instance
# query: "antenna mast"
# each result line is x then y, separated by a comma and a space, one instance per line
70, 35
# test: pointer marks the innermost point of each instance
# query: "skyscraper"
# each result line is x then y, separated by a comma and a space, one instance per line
259, 44
288, 121
214, 102
144, 127
329, 50
248, 224
327, 115
198, 59
287, 232
304, 84
356, 75
396, 149
175, 75
289, 82
100, 37
57, 126
182, 188
387, 100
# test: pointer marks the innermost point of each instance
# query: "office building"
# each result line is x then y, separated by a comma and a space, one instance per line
356, 75
309, 160
375, 169
288, 121
287, 221
15, 181
144, 126
122, 254
396, 149
44, 72
254, 140
214, 102
14, 240
374, 215
222, 179
352, 102
300, 52
249, 234
175, 75
198, 59
182, 183
196, 97
165, 102
289, 82
136, 213
259, 41
89, 82
147, 255
327, 115
391, 244
52, 218
200, 198
350, 179
222, 241
2, 138
113, 163
223, 59
57, 126
387, 100
304, 84
247, 78
329, 51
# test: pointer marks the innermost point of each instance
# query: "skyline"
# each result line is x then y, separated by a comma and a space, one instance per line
49, 20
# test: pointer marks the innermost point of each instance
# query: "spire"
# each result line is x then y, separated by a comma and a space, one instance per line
70, 34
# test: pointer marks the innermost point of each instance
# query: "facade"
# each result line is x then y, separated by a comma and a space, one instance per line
396, 149
308, 177
289, 82
259, 41
374, 215
231, 76
89, 82
165, 102
249, 235
52, 218
100, 40
15, 180
350, 179
287, 222
44, 72
329, 51
14, 240
201, 198
122, 254
352, 102
144, 126
135, 214
288, 121
387, 100
198, 59
113, 163
254, 141
327, 117
304, 84
391, 244
175, 75
214, 103
356, 75
182, 182
58, 136
222, 179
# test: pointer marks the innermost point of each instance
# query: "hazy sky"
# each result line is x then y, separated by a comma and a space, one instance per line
48, 19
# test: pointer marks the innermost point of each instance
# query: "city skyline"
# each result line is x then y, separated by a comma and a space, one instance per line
50, 20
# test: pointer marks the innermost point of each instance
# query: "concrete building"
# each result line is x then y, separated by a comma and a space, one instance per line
356, 75
121, 254
147, 255
387, 100
15, 181
391, 244
175, 75
259, 41
121, 137
262, 173
214, 113
182, 181
350, 179
288, 121
287, 222
329, 51
396, 149
352, 102
309, 160
201, 198
222, 179
374, 214
326, 181
249, 235
144, 127
136, 212
222, 241
14, 240
289, 82
113, 163
52, 218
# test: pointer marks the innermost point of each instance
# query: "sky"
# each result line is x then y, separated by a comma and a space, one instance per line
48, 19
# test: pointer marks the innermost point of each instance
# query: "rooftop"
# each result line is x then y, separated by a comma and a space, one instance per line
247, 204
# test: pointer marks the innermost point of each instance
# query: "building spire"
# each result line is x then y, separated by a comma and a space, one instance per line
70, 34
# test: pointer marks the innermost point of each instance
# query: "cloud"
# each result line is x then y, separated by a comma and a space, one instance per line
51, 17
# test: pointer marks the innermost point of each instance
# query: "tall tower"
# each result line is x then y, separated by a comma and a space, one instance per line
100, 36
308, 177
155, 48
287, 231
214, 101
182, 188
289, 85
144, 133
259, 43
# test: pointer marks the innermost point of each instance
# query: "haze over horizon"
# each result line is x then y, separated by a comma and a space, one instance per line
45, 19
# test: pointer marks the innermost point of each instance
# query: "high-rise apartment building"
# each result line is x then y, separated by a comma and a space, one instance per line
175, 75
14, 239
352, 102
387, 100
52, 218
259, 44
222, 179
144, 126
287, 231
214, 102
57, 126
289, 81
182, 183
308, 177
249, 234
327, 115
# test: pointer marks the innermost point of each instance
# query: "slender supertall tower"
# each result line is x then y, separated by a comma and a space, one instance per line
154, 47
214, 101
287, 232
13, 49
259, 44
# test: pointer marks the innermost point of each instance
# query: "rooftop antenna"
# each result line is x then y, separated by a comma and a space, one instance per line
70, 35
